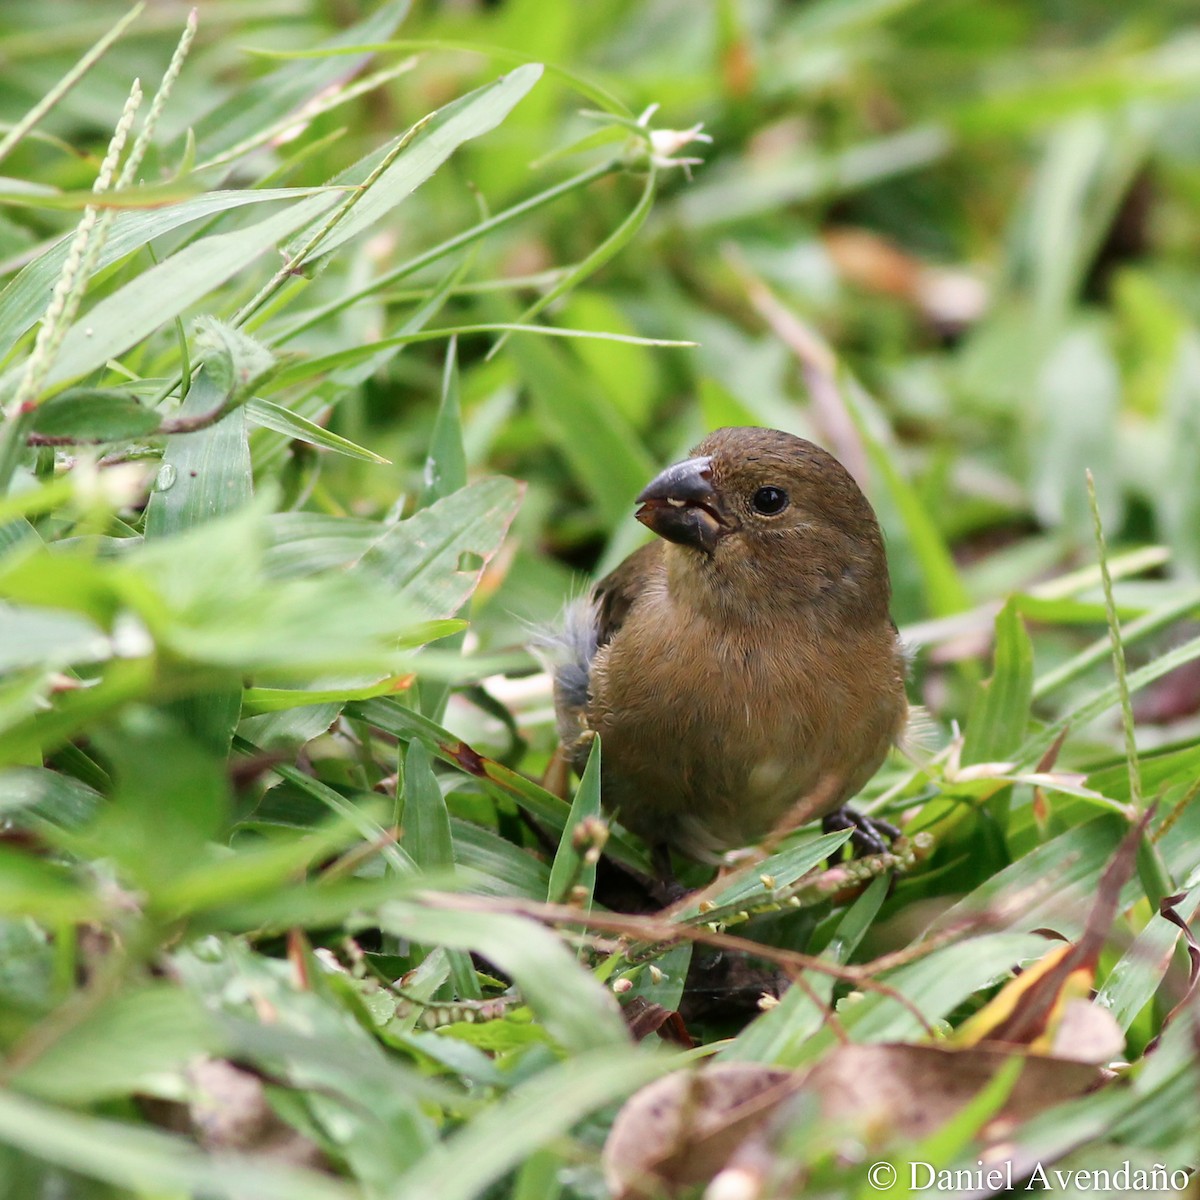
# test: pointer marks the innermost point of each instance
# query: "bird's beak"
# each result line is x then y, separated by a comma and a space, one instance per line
682, 506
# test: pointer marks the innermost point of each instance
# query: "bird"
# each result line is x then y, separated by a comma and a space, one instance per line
742, 671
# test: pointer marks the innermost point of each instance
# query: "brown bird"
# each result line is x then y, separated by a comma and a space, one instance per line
743, 673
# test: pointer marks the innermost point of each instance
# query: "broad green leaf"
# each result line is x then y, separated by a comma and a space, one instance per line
780, 1034
204, 475
259, 700
24, 299
434, 141
123, 319
45, 891
576, 1010
445, 473
95, 413
1136, 976
136, 1157
224, 881
122, 1046
1055, 882
407, 725
426, 836
936, 984
171, 798
426, 822
532, 1115
782, 869
432, 561
47, 796
495, 865
999, 713
31, 637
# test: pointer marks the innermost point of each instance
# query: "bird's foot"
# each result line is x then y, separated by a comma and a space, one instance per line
871, 835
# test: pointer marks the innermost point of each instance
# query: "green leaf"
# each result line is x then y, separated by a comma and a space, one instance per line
999, 713
783, 868
570, 870
532, 1115
171, 798
468, 117
427, 838
45, 891
432, 561
132, 313
94, 414
604, 453
1074, 415
1136, 976
280, 96
446, 461
781, 1033
292, 425
944, 589
445, 473
123, 1046
203, 475
31, 637
425, 819
577, 1011
129, 1156
23, 301
46, 795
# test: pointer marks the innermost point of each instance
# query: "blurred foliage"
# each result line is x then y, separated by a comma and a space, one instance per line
331, 369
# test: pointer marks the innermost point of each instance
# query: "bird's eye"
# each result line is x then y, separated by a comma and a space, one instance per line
769, 501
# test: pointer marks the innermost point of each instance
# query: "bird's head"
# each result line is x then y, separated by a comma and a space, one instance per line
764, 517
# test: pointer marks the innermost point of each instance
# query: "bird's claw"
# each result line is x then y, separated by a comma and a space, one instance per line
871, 835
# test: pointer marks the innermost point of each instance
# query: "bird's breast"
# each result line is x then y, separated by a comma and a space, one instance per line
719, 730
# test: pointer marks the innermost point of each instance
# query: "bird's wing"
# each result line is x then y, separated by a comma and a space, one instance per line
615, 594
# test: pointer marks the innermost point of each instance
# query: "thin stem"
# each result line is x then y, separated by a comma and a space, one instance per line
1118, 651
67, 82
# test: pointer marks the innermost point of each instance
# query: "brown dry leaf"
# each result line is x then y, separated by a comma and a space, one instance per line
645, 1017
1087, 1033
685, 1129
681, 1129
895, 1090
229, 1110
948, 297
882, 1095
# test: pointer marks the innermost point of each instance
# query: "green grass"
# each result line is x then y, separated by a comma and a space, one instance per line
332, 355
